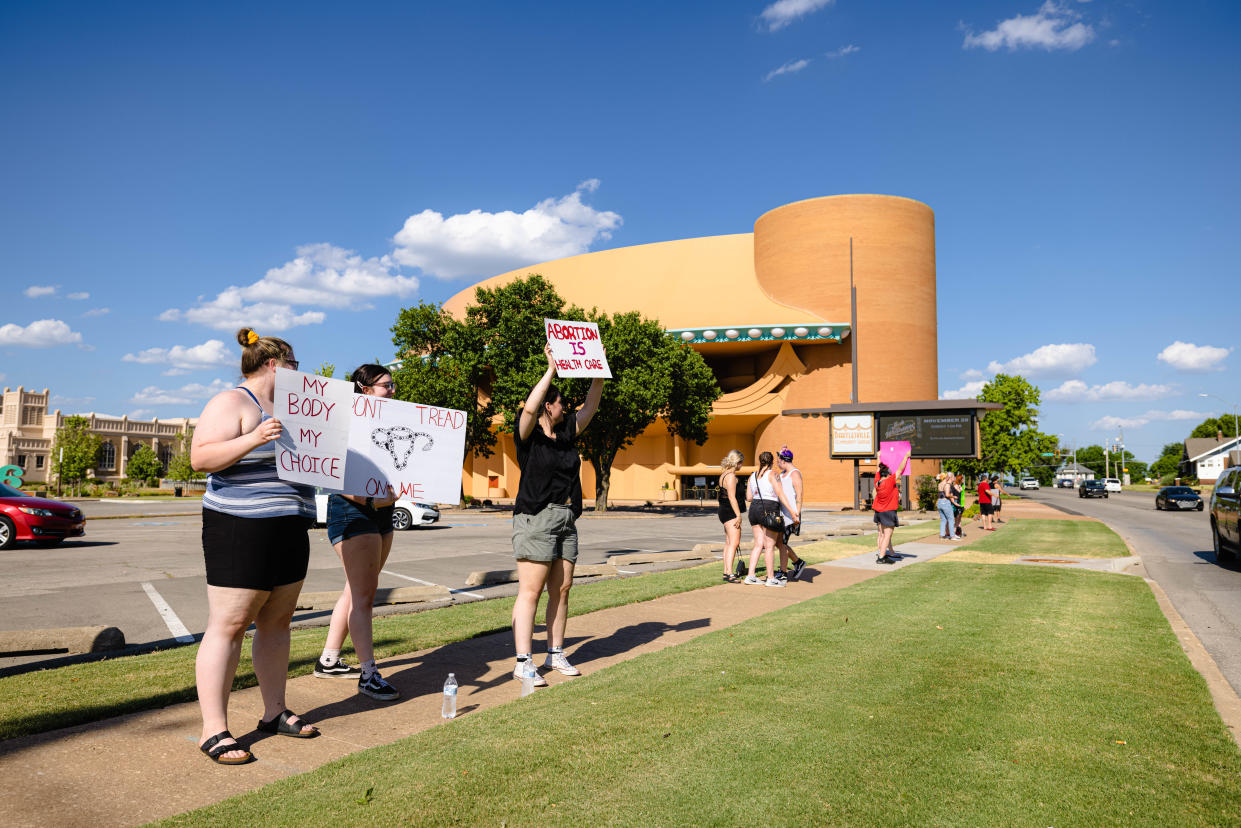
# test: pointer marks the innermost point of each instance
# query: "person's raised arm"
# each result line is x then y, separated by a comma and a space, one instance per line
218, 440
587, 412
900, 467
534, 403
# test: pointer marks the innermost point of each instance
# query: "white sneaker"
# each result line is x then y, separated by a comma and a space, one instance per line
776, 582
750, 579
539, 681
558, 662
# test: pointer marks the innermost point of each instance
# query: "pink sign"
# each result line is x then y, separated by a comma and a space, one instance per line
892, 453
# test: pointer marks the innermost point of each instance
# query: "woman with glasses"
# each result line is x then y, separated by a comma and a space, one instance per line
360, 530
254, 545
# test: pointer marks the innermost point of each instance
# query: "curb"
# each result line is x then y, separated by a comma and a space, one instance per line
69, 640
383, 597
483, 577
1226, 701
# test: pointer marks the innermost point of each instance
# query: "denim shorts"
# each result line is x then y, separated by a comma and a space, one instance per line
346, 519
547, 536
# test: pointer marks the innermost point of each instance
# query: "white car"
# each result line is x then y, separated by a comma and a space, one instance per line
1029, 483
406, 514
1111, 484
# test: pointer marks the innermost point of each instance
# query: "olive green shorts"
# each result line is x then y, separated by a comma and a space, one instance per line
548, 536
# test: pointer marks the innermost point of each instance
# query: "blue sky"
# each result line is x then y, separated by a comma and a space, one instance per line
170, 170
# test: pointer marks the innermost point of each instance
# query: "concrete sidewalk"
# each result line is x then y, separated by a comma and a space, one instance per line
145, 766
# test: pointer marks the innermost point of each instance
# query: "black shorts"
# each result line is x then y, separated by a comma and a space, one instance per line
760, 507
255, 553
986, 509
887, 518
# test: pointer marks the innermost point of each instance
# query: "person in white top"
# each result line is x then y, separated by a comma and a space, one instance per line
766, 498
791, 482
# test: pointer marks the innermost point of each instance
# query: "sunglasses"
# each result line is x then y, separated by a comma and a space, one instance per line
391, 386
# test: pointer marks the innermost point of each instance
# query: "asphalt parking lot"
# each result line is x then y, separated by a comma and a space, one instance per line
144, 575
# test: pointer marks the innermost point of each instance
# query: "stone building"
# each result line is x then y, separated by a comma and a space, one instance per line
28, 431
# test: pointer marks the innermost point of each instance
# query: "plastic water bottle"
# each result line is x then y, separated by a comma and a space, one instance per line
527, 677
449, 710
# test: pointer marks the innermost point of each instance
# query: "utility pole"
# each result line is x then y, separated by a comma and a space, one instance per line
857, 496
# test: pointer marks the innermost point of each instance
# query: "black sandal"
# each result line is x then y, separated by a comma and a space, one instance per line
214, 750
281, 725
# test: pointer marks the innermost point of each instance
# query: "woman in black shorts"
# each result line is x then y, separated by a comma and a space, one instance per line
360, 530
254, 545
545, 512
732, 504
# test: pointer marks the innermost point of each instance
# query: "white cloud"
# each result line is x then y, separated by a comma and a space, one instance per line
98, 312
792, 67
1053, 26
45, 333
322, 275
843, 51
35, 291
484, 244
1078, 391
783, 12
77, 297
966, 392
1111, 423
1049, 360
1185, 356
57, 399
183, 359
972, 374
186, 394
141, 414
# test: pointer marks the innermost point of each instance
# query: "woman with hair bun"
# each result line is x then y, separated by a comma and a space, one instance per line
360, 530
732, 504
255, 548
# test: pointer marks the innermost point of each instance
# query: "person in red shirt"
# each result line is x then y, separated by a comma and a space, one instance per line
885, 504
984, 503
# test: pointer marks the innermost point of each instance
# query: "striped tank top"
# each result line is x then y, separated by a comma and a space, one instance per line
251, 488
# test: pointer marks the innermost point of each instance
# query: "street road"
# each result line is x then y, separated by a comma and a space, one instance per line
1175, 548
145, 575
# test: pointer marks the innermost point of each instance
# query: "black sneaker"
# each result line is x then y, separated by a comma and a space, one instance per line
885, 560
377, 688
780, 576
795, 572
338, 670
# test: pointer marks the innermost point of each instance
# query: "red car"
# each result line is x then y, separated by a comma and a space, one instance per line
46, 522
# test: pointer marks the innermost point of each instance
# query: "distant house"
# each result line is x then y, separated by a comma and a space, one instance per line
1205, 457
1074, 472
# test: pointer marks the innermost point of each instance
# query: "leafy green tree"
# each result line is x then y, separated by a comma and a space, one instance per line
179, 466
654, 375
1010, 439
1211, 426
1169, 460
486, 364
144, 464
326, 369
81, 451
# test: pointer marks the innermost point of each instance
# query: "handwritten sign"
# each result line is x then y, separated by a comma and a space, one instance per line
416, 449
892, 453
315, 414
577, 349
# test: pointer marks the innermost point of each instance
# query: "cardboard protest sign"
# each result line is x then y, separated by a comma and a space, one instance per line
891, 453
315, 413
577, 349
417, 449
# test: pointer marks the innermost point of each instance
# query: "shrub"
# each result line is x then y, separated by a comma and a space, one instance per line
928, 492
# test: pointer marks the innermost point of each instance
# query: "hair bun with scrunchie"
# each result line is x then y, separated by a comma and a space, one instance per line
247, 337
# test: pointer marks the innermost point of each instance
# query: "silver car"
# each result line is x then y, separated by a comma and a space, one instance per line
406, 514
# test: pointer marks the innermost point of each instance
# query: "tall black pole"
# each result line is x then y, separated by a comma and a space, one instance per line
857, 500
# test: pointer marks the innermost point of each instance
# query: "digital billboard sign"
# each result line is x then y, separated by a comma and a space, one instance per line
930, 435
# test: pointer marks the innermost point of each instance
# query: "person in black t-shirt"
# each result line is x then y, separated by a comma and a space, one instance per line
549, 501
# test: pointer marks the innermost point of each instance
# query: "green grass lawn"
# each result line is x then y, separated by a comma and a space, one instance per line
958, 694
1072, 538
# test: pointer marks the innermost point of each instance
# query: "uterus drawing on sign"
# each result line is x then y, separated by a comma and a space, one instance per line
400, 442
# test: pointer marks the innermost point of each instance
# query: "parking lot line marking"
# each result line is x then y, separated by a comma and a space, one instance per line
627, 571
429, 583
179, 630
